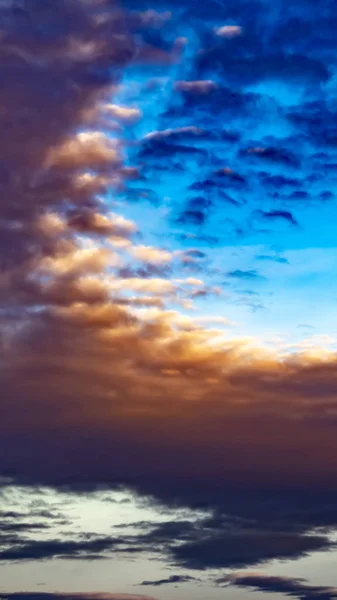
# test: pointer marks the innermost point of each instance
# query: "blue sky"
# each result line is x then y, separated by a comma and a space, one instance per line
295, 259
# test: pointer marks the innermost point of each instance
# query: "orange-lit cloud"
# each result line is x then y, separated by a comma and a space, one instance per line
151, 255
123, 113
88, 149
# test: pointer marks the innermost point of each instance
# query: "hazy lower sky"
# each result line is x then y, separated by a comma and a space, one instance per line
168, 295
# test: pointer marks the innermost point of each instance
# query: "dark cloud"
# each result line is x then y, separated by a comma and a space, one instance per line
267, 257
276, 182
295, 588
241, 549
239, 274
249, 292
223, 100
172, 579
298, 196
196, 211
136, 194
228, 177
15, 525
146, 272
23, 526
258, 68
275, 215
273, 154
169, 530
193, 253
234, 537
161, 152
22, 550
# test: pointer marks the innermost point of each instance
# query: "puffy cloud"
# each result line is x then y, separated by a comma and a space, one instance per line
86, 221
151, 255
78, 260
196, 87
52, 83
155, 285
229, 31
123, 113
51, 224
85, 150
153, 17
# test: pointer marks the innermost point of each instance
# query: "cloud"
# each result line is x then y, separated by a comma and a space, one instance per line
159, 148
274, 154
196, 87
272, 181
261, 67
229, 31
180, 133
242, 549
267, 257
162, 381
295, 588
172, 579
239, 274
151, 255
23, 526
275, 215
196, 211
155, 285
213, 99
230, 177
43, 549
124, 114
72, 351
150, 54
151, 17
85, 150
53, 84
86, 221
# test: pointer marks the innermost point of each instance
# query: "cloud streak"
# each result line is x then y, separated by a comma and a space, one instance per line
295, 588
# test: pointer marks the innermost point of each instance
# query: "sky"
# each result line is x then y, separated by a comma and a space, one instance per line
168, 294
